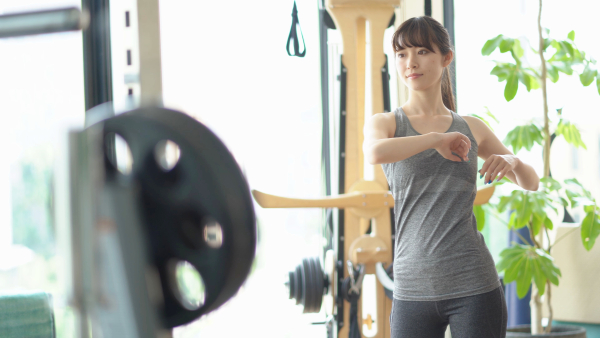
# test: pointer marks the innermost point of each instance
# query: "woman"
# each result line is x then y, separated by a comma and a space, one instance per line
443, 272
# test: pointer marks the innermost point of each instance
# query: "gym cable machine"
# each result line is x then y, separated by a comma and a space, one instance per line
362, 242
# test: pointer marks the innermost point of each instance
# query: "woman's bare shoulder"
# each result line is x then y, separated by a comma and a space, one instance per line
387, 121
479, 128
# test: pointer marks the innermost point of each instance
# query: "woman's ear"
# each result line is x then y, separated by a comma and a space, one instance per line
448, 58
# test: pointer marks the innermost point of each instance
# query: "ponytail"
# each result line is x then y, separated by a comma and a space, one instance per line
447, 93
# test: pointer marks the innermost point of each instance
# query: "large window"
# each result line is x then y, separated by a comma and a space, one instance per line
225, 63
42, 98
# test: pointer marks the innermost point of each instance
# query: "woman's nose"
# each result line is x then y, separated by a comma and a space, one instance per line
410, 64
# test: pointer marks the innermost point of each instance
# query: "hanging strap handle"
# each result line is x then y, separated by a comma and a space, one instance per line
293, 35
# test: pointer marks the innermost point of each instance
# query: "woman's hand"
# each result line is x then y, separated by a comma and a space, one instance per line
498, 165
454, 142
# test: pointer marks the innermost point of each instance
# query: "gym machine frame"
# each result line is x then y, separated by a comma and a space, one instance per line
366, 203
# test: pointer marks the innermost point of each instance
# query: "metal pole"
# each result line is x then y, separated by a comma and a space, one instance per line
449, 24
97, 68
43, 22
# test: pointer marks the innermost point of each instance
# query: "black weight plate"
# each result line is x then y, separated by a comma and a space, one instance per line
291, 284
205, 182
299, 285
307, 278
319, 282
313, 283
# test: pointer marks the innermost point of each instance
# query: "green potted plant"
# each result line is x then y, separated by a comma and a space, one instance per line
533, 265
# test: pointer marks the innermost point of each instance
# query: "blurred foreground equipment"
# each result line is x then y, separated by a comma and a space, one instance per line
163, 226
42, 22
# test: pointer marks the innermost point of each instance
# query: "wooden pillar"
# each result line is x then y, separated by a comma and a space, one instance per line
351, 18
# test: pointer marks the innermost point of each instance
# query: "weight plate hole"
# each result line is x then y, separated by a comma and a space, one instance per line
119, 153
213, 233
167, 154
189, 285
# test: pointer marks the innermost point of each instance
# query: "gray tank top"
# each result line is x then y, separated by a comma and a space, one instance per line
439, 254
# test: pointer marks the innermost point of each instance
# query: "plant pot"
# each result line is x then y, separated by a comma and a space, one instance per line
561, 331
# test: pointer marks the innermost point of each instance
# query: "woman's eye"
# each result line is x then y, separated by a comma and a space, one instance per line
423, 50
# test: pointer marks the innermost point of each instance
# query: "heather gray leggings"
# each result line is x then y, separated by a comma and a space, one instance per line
478, 316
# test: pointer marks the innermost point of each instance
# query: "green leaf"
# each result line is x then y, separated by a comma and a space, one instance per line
579, 56
511, 265
515, 197
506, 45
561, 52
547, 42
524, 279
512, 85
552, 72
588, 75
523, 213
517, 49
489, 113
571, 35
570, 132
524, 78
563, 67
526, 264
479, 216
585, 201
524, 137
538, 276
569, 48
598, 83
550, 183
503, 70
551, 271
512, 220
536, 223
490, 45
573, 181
574, 190
534, 83
590, 229
548, 223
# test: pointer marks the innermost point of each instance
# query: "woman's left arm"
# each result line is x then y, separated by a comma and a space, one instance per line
499, 161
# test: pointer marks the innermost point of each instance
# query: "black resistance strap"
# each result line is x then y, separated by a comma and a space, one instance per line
293, 35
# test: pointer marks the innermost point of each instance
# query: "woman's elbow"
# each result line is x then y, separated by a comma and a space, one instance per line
534, 186
371, 155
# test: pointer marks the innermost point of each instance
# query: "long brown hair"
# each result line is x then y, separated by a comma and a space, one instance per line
423, 31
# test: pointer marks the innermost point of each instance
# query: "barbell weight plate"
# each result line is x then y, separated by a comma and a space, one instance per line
313, 279
291, 284
308, 285
205, 184
299, 285
319, 283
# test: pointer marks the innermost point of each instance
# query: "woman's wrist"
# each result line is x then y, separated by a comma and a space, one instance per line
435, 139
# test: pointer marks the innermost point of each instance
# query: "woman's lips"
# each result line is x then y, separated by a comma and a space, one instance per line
414, 76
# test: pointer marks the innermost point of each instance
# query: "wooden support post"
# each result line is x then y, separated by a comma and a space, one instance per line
351, 17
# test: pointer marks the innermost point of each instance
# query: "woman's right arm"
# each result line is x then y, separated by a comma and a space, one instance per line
380, 146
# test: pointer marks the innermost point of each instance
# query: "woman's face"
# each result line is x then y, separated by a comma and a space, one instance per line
420, 68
